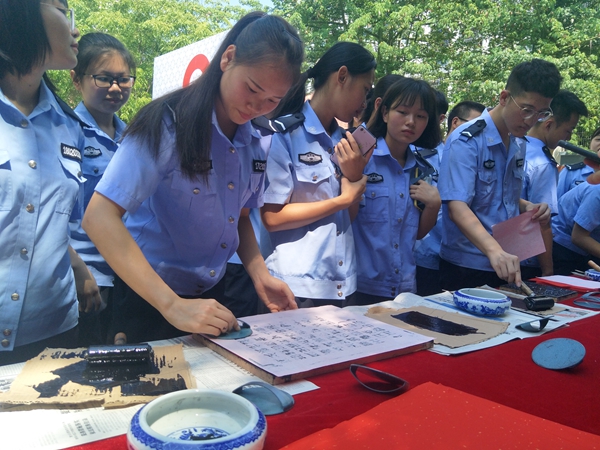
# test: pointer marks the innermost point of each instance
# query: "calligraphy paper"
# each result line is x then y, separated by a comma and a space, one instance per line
520, 236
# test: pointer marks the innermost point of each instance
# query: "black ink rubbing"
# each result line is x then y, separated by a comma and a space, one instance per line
436, 324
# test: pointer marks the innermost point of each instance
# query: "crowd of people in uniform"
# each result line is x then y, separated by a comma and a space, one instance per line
239, 195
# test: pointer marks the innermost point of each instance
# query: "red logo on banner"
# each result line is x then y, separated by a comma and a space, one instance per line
199, 62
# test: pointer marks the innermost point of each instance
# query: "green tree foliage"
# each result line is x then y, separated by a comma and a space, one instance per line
148, 28
464, 48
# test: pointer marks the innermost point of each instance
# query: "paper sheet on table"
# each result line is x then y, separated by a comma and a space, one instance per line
520, 236
464, 330
57, 377
445, 302
579, 284
62, 428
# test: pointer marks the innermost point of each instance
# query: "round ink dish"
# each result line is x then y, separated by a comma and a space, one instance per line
592, 274
197, 419
481, 301
559, 353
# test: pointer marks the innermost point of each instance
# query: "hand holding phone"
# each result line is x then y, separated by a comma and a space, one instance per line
364, 139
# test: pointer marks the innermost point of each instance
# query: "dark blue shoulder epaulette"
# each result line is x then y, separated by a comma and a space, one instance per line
578, 166
69, 111
474, 129
427, 152
265, 124
288, 122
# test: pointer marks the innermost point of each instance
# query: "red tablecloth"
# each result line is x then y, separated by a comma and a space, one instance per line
505, 374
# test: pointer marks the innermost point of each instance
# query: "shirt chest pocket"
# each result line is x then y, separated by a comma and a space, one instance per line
314, 183
71, 188
376, 207
5, 181
486, 181
192, 196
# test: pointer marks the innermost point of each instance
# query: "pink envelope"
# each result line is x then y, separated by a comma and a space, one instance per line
520, 236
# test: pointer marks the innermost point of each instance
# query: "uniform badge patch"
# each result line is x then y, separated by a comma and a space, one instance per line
310, 158
91, 152
70, 152
489, 164
259, 165
374, 178
520, 162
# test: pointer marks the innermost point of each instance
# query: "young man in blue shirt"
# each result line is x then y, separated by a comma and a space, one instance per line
481, 180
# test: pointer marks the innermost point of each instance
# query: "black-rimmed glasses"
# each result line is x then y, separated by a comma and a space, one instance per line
69, 13
106, 81
528, 113
377, 380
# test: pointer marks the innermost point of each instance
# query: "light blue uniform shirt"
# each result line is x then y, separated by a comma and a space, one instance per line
539, 182
40, 181
571, 176
99, 150
317, 261
386, 226
187, 229
580, 205
427, 250
480, 172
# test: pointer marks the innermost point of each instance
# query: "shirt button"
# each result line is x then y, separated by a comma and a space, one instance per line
401, 194
7, 332
315, 178
223, 245
341, 263
372, 194
338, 232
79, 174
231, 150
196, 191
5, 342
340, 294
14, 296
399, 220
230, 186
396, 271
29, 208
330, 151
212, 273
395, 245
32, 164
24, 123
231, 219
23, 251
339, 286
96, 170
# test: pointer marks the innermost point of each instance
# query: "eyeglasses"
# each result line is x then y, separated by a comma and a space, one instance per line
106, 81
377, 380
528, 113
69, 13
460, 118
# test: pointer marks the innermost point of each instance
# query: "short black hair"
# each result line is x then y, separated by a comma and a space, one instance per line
566, 103
406, 92
441, 103
463, 109
23, 40
537, 75
94, 45
377, 92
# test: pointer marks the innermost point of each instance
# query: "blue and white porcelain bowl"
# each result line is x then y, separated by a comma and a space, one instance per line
592, 274
482, 301
198, 419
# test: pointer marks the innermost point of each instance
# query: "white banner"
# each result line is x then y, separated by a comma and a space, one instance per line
180, 67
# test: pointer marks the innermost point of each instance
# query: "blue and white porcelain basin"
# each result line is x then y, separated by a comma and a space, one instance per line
482, 301
198, 419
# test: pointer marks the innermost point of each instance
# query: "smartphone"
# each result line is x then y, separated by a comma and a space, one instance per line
580, 151
363, 138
